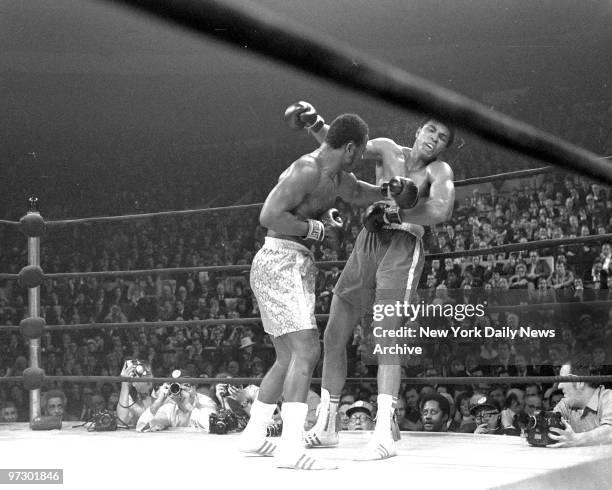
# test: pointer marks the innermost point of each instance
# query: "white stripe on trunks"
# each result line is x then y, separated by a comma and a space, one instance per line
415, 260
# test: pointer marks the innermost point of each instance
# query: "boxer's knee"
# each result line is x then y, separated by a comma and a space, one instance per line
309, 357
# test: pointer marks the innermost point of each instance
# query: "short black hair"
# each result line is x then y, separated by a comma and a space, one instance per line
346, 128
451, 129
442, 402
512, 397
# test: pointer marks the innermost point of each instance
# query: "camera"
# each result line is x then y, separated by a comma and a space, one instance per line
175, 389
224, 390
140, 369
222, 422
104, 421
539, 425
46, 422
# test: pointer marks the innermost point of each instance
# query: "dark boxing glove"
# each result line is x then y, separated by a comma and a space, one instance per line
380, 214
334, 233
327, 230
402, 190
303, 115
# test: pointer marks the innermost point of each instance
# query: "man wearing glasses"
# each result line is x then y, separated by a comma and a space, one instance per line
360, 416
487, 416
586, 409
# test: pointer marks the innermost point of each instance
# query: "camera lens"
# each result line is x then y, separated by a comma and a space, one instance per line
175, 388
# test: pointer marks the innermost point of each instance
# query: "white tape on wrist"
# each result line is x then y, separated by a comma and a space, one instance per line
392, 215
317, 125
316, 230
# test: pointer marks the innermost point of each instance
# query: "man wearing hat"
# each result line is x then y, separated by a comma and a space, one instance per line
246, 342
360, 416
177, 405
487, 415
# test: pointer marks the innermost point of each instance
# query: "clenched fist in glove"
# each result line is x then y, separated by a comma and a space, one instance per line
380, 214
328, 229
404, 191
303, 115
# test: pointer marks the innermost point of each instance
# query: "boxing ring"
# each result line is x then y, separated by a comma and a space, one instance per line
181, 457
185, 457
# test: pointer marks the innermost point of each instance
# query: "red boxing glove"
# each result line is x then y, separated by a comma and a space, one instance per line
402, 190
302, 115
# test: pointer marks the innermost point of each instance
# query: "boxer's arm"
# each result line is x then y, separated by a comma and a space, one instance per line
377, 148
358, 192
438, 207
293, 186
321, 134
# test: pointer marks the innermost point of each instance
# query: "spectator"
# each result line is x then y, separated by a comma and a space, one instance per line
463, 421
8, 412
487, 417
514, 406
586, 409
360, 416
344, 418
134, 398
435, 412
54, 404
177, 405
554, 397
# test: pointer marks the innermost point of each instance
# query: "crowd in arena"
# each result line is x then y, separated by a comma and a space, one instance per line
562, 289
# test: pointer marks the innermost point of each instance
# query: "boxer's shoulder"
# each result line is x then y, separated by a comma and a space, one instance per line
440, 170
305, 170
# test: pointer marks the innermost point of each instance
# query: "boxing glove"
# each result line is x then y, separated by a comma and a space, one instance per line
327, 230
379, 214
402, 190
303, 115
334, 231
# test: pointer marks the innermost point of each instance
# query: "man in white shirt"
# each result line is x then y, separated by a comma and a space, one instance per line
586, 409
177, 405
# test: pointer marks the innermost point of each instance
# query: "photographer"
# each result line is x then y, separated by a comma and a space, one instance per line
238, 401
177, 405
487, 415
586, 409
134, 397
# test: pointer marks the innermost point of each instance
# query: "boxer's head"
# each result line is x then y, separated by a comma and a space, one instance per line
433, 137
350, 133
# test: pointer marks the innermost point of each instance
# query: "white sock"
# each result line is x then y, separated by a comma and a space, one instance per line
261, 416
383, 415
294, 416
329, 403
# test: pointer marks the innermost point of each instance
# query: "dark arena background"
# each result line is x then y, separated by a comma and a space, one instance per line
110, 112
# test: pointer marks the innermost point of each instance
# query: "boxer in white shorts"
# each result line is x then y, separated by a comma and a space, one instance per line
297, 214
283, 279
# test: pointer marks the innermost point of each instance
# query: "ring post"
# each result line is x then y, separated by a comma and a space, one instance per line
34, 309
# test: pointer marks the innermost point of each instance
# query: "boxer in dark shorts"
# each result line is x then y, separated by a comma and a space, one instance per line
384, 268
